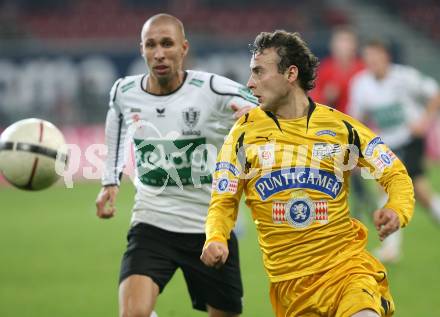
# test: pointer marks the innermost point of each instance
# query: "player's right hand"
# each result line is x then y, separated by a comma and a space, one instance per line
107, 195
215, 254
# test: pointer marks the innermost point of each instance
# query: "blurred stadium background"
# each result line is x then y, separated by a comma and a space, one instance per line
58, 60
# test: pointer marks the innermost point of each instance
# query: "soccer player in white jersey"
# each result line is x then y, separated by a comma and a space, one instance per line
398, 102
181, 118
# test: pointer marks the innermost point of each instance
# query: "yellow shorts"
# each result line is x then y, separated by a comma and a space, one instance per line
354, 285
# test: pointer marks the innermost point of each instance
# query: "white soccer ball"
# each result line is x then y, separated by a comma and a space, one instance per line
29, 150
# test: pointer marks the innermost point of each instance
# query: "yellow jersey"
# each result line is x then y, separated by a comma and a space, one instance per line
295, 173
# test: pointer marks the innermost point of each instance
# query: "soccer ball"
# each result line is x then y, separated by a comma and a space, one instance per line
29, 150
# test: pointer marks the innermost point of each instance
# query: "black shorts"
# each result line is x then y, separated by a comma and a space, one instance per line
412, 155
158, 253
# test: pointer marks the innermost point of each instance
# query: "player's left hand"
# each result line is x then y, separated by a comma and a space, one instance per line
386, 221
239, 111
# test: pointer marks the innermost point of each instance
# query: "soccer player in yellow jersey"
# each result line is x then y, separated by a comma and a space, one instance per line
292, 158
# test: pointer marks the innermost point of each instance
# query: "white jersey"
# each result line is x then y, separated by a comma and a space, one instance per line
391, 104
176, 138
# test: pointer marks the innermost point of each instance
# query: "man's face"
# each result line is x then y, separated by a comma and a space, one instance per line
163, 48
376, 59
268, 85
344, 45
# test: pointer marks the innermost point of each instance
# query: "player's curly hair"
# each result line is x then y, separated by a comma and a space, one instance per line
292, 50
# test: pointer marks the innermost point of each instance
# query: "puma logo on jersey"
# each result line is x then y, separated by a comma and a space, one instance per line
264, 137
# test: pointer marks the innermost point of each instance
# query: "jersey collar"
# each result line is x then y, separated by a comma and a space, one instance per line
185, 76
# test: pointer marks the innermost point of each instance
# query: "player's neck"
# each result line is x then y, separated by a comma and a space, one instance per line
296, 107
158, 87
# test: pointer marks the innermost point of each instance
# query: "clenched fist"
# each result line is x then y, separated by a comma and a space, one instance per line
215, 254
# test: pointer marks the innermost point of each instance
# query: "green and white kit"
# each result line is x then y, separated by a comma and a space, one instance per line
391, 104
176, 138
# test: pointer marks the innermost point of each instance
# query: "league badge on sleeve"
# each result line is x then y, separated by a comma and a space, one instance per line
379, 154
223, 185
384, 159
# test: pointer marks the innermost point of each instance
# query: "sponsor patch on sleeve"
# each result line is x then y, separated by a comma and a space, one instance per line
384, 159
223, 185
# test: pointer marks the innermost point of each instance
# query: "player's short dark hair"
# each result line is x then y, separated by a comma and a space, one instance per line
292, 50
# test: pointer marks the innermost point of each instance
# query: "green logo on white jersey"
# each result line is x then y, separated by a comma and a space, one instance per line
389, 116
166, 162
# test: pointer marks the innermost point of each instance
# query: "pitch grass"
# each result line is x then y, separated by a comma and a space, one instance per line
58, 259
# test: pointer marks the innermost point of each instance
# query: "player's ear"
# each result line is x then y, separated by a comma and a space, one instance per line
291, 73
185, 46
141, 48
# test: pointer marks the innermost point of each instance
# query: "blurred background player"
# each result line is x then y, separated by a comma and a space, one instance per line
176, 114
313, 251
332, 85
336, 71
400, 104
